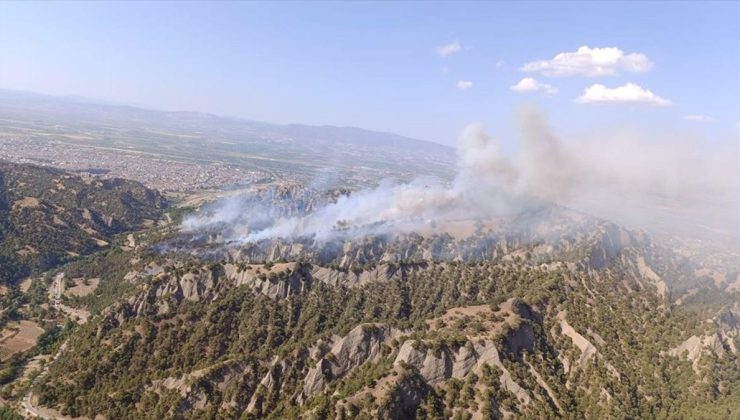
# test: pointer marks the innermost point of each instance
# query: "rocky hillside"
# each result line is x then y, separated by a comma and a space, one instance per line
557, 315
49, 216
550, 237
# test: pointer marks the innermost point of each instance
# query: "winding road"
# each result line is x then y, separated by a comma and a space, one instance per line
55, 297
27, 404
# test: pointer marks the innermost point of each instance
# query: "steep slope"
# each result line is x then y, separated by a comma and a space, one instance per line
49, 216
565, 316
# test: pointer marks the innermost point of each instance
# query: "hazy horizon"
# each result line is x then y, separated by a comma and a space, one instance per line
424, 72
369, 209
104, 102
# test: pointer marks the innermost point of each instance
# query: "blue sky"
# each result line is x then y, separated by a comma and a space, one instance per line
377, 65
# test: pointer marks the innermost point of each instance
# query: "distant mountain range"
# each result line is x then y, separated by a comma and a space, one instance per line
549, 313
191, 135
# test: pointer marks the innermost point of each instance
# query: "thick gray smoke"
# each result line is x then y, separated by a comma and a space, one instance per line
655, 183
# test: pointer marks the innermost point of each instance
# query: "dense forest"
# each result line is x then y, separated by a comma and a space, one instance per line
553, 315
209, 340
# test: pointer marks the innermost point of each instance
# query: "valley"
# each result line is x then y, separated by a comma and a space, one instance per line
373, 210
563, 316
183, 151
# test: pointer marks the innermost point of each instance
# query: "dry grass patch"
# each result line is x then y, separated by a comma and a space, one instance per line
18, 337
25, 284
82, 287
475, 321
34, 364
27, 202
26, 251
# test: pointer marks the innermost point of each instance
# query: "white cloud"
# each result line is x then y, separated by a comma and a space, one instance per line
591, 62
449, 49
500, 63
628, 93
529, 84
464, 84
700, 118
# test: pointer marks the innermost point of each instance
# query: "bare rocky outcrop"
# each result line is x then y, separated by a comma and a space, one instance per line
697, 346
728, 321
362, 344
191, 389
157, 297
286, 280
608, 246
588, 350
718, 343
380, 273
648, 273
446, 362
270, 383
169, 289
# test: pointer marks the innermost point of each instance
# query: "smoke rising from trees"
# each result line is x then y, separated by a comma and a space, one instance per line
661, 183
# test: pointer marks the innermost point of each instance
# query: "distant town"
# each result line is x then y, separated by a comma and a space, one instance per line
153, 171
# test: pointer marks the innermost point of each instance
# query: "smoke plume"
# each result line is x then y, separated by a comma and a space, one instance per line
670, 184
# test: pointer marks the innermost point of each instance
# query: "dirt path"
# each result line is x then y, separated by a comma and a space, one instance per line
27, 404
56, 290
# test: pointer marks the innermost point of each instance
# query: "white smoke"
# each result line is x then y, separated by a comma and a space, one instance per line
486, 186
658, 182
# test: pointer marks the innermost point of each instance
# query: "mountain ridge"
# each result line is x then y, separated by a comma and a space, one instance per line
31, 101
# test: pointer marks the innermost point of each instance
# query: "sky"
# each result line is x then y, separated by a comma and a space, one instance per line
425, 70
